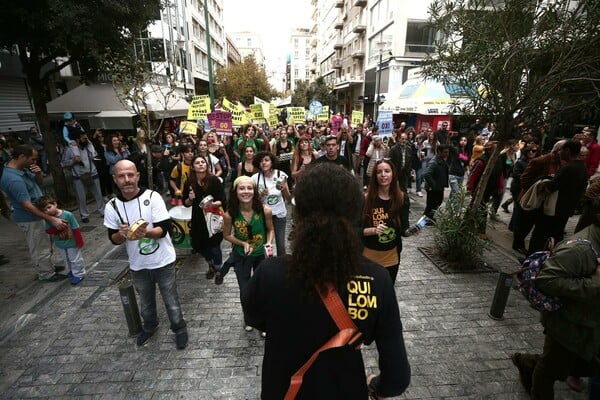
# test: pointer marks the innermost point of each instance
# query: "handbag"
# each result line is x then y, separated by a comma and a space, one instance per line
214, 220
348, 335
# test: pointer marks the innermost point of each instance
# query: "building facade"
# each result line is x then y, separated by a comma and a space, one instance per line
365, 48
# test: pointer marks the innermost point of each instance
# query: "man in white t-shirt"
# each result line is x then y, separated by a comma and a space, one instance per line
150, 251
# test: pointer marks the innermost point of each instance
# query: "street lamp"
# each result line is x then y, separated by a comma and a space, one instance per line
211, 84
381, 46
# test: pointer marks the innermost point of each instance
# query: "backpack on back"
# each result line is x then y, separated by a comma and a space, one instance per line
531, 268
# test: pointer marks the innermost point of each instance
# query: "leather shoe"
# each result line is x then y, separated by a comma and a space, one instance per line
85, 220
143, 337
181, 340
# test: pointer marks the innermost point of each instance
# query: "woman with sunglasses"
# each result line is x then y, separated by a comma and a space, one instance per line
274, 191
529, 152
248, 225
203, 183
385, 218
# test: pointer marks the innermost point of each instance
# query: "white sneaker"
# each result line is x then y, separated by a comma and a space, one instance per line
419, 194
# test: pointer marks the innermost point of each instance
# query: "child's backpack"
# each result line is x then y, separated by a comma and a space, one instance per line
531, 268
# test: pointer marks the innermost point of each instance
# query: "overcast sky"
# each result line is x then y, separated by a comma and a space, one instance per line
272, 19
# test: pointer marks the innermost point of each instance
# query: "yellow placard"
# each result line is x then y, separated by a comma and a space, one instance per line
324, 114
296, 115
273, 121
257, 112
357, 117
188, 127
199, 107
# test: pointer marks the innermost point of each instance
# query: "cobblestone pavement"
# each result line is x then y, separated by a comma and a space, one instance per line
59, 341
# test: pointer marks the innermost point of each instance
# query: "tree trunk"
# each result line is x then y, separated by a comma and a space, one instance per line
41, 112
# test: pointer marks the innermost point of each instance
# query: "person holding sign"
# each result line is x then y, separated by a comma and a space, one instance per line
249, 139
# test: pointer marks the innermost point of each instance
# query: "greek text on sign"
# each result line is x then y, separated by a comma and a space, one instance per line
199, 107
296, 115
357, 117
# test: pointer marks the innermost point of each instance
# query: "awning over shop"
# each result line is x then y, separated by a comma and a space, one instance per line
100, 104
425, 97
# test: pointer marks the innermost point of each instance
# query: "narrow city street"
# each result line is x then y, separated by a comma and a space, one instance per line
60, 341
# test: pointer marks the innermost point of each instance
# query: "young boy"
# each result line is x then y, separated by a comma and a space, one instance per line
69, 242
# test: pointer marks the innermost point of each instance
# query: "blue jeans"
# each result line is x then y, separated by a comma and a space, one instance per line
455, 182
419, 178
213, 255
145, 282
279, 227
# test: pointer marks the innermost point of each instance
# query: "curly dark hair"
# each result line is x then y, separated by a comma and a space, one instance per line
262, 154
234, 203
326, 247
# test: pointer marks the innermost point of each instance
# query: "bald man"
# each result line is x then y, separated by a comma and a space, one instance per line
150, 251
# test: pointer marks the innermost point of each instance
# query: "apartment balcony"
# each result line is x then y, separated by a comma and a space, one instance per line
359, 28
339, 4
313, 43
336, 63
345, 81
339, 24
338, 46
358, 54
359, 3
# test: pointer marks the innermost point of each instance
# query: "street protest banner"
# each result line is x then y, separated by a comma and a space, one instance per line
188, 128
238, 113
324, 114
296, 115
199, 107
221, 121
273, 121
336, 123
357, 117
258, 116
385, 123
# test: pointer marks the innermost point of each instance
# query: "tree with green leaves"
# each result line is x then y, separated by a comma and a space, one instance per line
518, 60
243, 81
50, 35
305, 92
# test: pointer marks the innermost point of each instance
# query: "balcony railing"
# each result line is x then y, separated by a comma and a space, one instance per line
339, 4
360, 3
419, 48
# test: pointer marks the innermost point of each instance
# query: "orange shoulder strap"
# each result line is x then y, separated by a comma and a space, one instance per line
348, 334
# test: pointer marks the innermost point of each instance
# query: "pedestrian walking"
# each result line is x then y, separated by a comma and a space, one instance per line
149, 249
283, 298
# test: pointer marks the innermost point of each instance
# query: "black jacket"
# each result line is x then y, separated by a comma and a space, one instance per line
436, 174
296, 326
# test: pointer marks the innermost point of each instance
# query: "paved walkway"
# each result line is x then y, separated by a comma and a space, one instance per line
59, 341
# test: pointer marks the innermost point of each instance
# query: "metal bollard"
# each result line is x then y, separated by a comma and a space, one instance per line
500, 296
130, 307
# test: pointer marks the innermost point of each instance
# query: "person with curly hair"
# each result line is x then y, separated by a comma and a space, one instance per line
201, 184
283, 298
248, 225
385, 218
